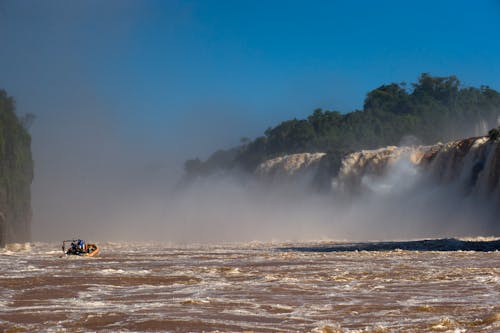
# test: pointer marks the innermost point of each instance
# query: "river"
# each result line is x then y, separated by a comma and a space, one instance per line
259, 287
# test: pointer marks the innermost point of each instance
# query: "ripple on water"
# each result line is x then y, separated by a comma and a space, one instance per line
150, 287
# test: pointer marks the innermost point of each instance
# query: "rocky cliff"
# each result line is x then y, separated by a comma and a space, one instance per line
16, 174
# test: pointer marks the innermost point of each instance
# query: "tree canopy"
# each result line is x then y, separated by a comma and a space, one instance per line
433, 109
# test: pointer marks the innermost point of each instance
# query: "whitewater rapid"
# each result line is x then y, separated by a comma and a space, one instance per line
259, 287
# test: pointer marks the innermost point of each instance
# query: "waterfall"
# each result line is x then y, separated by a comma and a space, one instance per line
481, 128
473, 165
289, 165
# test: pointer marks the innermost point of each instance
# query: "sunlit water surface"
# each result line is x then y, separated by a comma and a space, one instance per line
247, 287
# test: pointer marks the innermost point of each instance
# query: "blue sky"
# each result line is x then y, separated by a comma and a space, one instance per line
166, 70
121, 88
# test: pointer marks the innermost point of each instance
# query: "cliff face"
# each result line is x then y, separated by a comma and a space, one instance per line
472, 165
16, 175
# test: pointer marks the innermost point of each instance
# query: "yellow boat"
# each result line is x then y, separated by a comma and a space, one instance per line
92, 250
79, 247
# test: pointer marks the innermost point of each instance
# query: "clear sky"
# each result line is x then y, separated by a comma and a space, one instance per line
164, 70
146, 84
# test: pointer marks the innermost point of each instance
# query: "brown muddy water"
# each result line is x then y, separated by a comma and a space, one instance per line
247, 287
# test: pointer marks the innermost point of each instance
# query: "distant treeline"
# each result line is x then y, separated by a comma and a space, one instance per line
433, 109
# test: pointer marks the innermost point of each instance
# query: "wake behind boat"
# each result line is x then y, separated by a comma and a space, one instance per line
79, 247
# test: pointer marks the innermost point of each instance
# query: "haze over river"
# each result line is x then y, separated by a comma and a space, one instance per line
261, 287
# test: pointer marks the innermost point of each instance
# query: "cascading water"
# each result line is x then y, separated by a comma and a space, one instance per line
289, 164
472, 164
451, 188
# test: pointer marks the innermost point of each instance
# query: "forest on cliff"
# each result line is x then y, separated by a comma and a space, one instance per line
432, 109
16, 172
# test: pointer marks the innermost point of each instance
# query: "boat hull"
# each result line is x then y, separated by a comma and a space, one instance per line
93, 250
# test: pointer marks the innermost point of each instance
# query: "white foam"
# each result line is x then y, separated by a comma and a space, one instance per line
112, 271
241, 312
261, 286
488, 279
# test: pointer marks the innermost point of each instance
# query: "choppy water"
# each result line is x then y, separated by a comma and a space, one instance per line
248, 287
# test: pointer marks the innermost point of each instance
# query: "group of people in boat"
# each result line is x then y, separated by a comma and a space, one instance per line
79, 247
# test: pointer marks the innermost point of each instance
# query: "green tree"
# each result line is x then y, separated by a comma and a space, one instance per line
494, 134
433, 109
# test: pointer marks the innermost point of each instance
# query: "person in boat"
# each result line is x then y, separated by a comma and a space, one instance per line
74, 248
81, 246
77, 247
